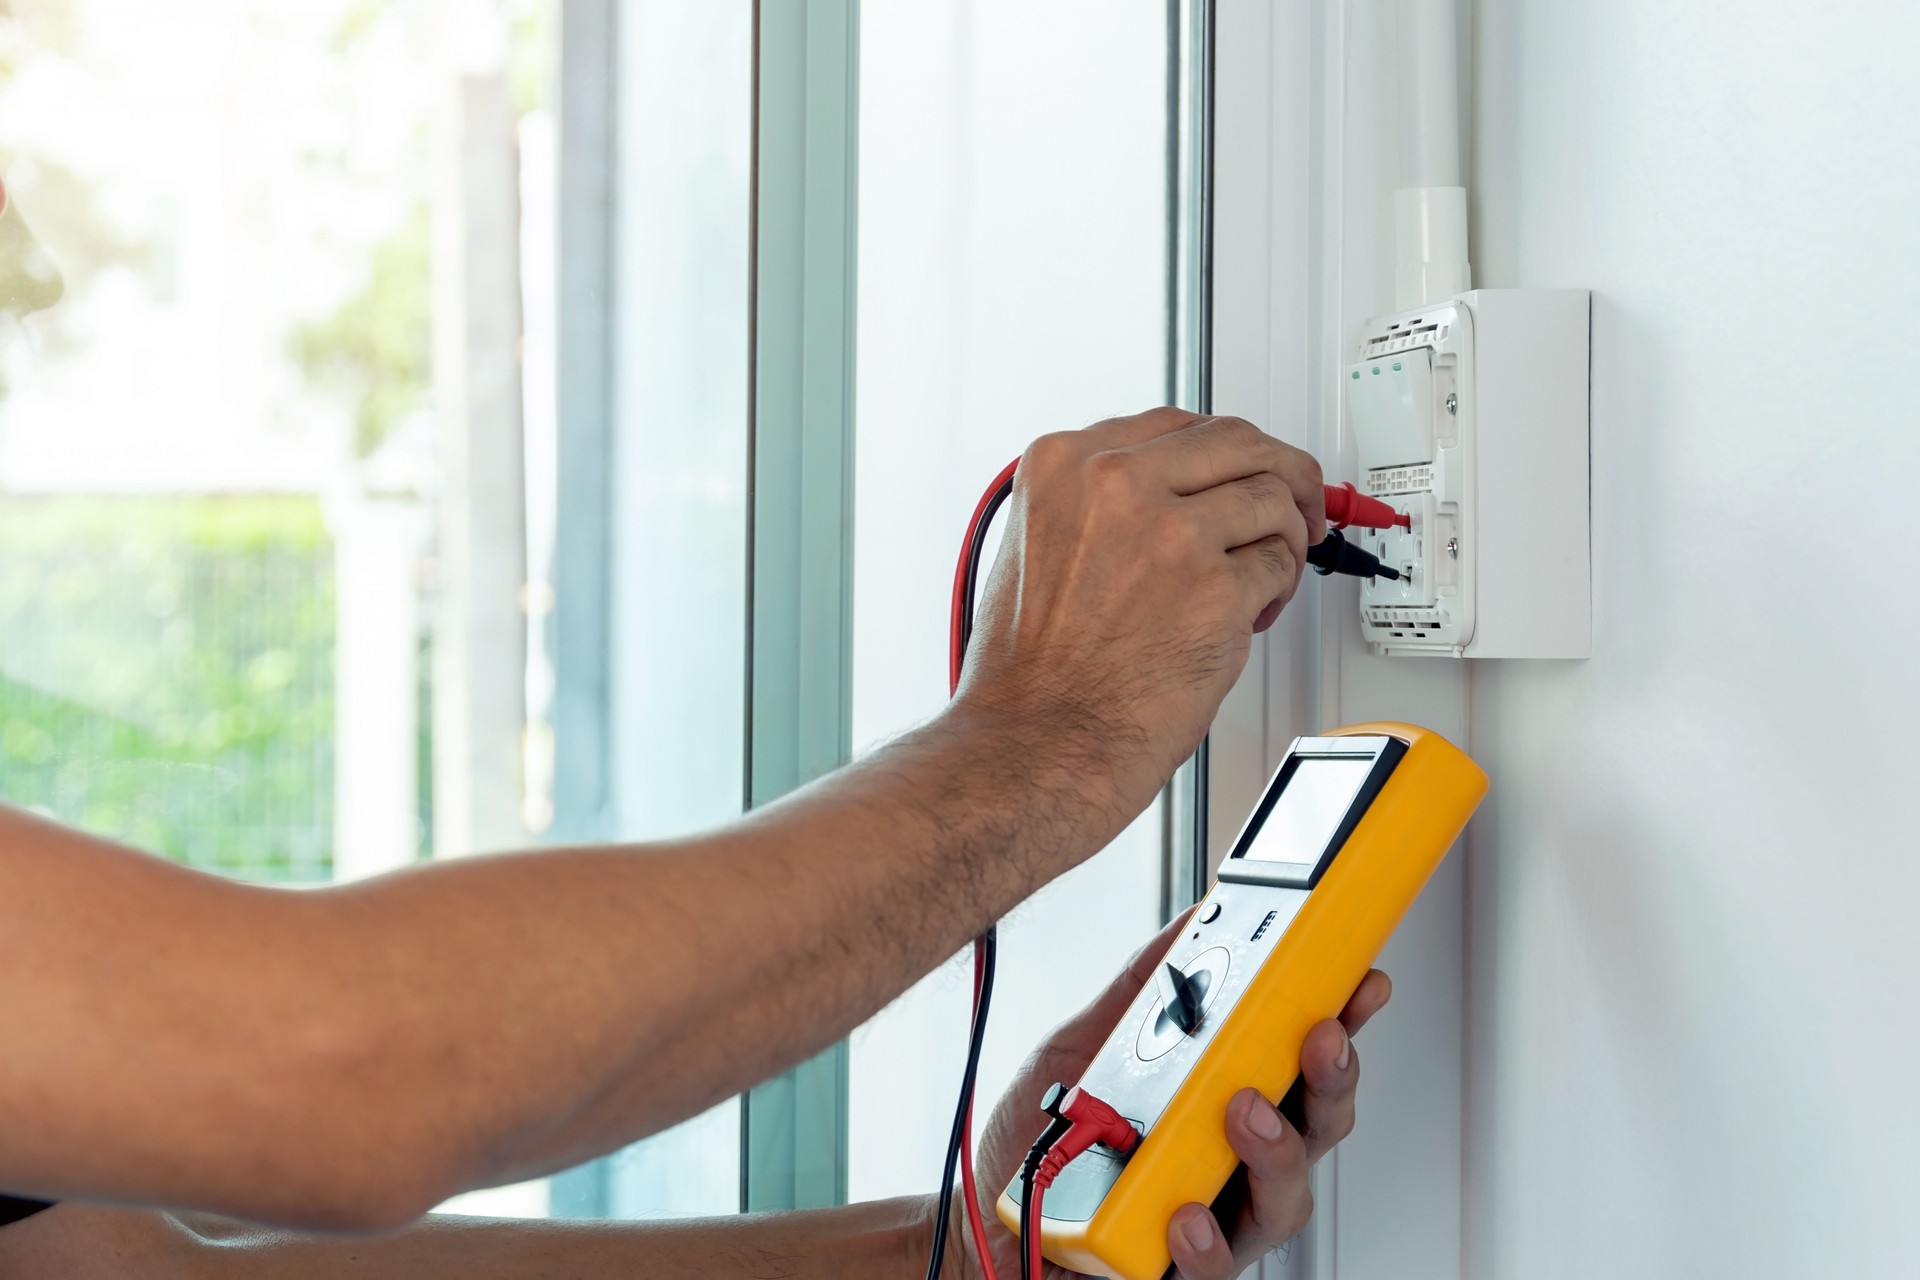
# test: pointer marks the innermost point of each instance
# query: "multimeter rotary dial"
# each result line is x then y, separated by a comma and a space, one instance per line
1186, 993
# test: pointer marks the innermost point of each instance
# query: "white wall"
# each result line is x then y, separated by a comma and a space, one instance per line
1693, 995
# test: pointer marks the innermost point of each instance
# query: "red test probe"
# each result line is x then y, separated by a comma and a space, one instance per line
1347, 505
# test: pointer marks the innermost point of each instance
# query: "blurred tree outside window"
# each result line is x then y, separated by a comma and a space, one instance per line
169, 675
279, 436
264, 534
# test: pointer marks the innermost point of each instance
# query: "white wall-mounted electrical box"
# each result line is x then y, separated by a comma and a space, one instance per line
1471, 415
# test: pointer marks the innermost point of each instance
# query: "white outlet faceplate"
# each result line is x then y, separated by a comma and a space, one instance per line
1471, 415
1405, 550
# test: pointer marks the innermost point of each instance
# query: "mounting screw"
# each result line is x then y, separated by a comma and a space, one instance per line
1453, 548
1453, 403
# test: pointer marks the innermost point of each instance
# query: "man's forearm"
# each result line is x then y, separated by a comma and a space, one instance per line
384, 1044
348, 1057
884, 1240
664, 981
853, 890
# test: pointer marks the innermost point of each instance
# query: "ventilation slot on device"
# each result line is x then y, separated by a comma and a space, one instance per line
1417, 332
1400, 479
1405, 624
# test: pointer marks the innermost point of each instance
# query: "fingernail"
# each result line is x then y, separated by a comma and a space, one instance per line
1346, 1052
1264, 1120
1198, 1230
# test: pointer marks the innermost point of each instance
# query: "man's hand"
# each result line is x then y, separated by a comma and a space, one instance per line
1267, 1203
1141, 556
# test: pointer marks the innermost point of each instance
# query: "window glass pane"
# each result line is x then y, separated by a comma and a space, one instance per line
218, 448
1013, 281
679, 340
278, 440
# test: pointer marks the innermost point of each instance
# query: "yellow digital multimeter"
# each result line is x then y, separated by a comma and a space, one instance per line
1347, 833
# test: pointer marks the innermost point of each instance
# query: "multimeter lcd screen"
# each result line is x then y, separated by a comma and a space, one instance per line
1309, 809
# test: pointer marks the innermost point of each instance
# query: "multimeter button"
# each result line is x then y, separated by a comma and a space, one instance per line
1209, 913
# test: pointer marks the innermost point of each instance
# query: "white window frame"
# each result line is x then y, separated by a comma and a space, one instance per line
1299, 90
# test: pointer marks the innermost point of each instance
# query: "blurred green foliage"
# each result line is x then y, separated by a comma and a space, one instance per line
167, 675
533, 57
376, 349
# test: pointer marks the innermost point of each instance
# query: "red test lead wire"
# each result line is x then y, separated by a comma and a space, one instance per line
969, 1191
1080, 1120
960, 622
959, 632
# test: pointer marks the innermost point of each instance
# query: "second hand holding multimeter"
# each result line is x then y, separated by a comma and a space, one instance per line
1345, 836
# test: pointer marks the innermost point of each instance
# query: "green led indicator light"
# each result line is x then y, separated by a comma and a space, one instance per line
1396, 366
1356, 375
1376, 371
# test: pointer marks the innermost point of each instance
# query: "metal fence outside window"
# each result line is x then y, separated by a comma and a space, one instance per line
167, 675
